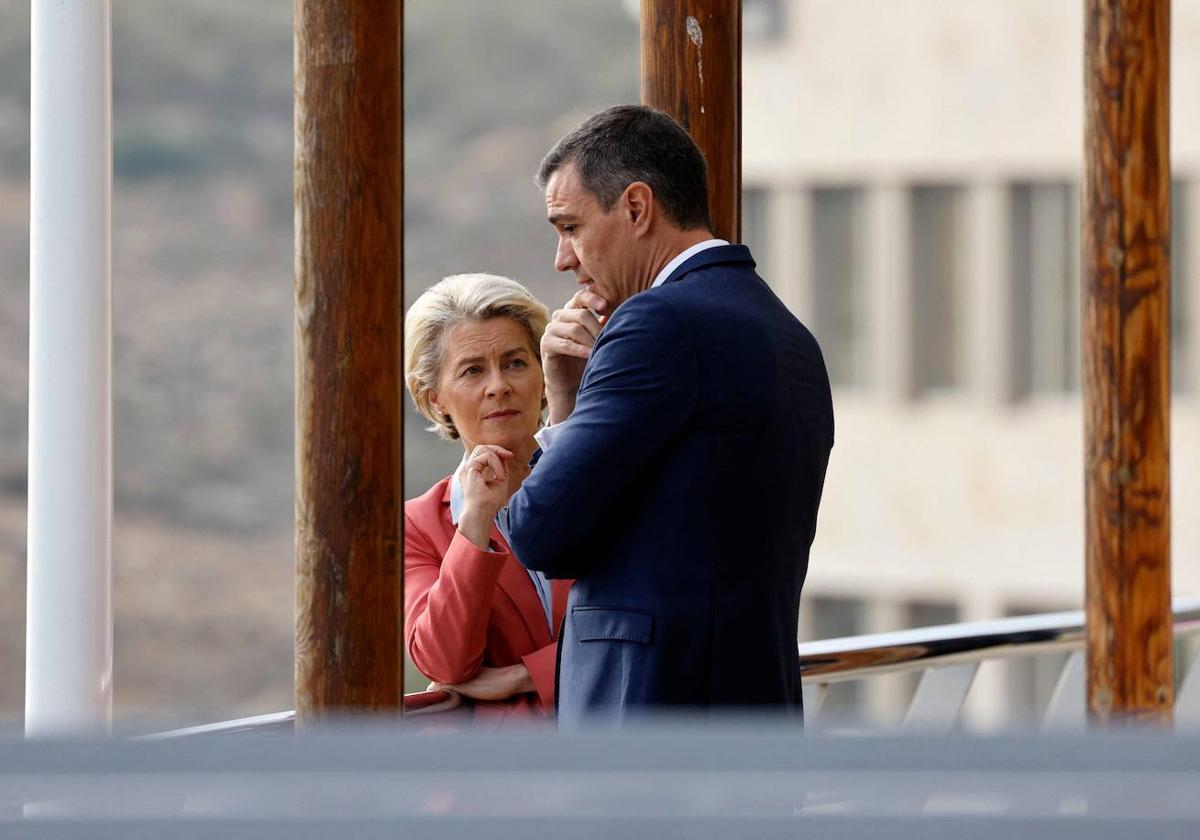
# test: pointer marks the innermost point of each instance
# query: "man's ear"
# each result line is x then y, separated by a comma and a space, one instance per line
638, 205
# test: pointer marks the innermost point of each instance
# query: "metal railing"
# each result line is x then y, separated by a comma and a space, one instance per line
947, 657
418, 705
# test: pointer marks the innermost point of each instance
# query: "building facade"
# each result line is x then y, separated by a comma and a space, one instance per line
911, 173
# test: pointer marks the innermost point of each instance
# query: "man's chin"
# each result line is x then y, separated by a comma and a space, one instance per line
614, 299
596, 289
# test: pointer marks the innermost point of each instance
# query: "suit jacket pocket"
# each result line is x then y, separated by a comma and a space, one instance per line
593, 624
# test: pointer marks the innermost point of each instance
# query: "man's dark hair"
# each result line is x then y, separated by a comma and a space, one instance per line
628, 143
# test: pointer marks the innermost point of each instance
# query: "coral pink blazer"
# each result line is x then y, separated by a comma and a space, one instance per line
464, 608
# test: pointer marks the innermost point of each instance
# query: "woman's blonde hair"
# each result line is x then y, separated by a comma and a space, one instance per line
456, 299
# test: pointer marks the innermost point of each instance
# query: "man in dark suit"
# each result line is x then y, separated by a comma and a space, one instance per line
690, 428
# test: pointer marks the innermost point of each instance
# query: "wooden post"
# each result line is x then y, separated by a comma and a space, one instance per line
692, 69
349, 294
1126, 365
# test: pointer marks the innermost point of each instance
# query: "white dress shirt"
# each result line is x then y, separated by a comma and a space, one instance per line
683, 257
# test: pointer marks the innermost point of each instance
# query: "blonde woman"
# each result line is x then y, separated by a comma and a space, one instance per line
476, 621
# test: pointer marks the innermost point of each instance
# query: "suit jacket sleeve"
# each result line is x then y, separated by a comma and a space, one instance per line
640, 387
447, 603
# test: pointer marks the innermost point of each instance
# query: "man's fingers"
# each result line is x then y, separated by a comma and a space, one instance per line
569, 339
572, 331
584, 334
557, 345
582, 318
587, 299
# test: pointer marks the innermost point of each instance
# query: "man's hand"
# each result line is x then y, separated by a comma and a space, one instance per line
566, 346
494, 683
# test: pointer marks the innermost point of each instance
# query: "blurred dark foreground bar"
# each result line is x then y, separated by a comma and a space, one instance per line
729, 779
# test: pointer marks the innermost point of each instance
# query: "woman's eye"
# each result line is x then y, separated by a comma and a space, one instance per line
471, 371
519, 363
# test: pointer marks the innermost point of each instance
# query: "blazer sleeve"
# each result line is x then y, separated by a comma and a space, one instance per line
447, 603
541, 666
640, 387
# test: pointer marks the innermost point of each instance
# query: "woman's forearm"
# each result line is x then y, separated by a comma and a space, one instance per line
496, 683
448, 597
476, 526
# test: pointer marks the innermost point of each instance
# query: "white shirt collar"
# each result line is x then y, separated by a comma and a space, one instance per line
684, 256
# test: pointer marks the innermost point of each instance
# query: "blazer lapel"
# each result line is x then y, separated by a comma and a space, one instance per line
516, 584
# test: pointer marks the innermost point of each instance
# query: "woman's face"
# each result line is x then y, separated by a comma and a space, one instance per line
490, 383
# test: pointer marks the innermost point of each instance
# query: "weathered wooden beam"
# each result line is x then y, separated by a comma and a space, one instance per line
1126, 363
349, 295
692, 69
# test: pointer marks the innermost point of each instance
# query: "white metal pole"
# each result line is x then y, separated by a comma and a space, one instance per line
68, 647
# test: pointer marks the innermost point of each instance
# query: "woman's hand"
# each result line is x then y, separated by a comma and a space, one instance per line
484, 480
494, 683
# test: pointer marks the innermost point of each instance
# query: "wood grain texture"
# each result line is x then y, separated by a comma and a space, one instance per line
1126, 363
349, 294
691, 69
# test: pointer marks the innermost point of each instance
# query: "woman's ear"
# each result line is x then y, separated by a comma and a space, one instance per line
436, 404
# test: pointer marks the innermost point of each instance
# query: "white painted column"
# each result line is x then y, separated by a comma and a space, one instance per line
1074, 368
890, 289
806, 627
68, 653
1054, 301
988, 339
790, 264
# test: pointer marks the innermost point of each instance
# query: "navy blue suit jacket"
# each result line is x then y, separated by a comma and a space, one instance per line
682, 496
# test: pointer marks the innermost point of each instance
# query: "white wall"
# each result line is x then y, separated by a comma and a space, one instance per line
950, 497
935, 87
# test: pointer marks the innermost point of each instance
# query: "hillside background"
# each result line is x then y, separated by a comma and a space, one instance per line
202, 301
